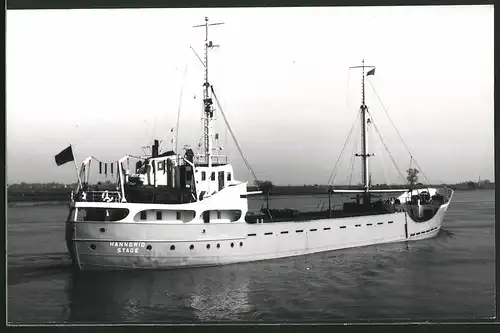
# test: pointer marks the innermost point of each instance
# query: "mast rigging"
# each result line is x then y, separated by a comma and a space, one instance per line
364, 137
208, 109
207, 100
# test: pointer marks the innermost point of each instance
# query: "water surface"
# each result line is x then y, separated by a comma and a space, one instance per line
447, 277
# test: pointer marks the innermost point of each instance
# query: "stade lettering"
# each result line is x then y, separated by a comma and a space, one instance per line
127, 247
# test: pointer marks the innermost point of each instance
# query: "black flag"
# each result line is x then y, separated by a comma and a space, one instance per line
371, 72
65, 156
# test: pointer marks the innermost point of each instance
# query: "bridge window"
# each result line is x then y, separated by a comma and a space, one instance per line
212, 176
158, 215
144, 215
203, 175
100, 214
178, 215
232, 215
229, 176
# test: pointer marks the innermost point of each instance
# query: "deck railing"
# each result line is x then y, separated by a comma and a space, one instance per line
98, 196
221, 159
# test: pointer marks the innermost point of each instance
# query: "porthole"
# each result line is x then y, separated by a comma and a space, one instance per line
208, 246
218, 246
232, 244
241, 243
102, 230
191, 247
92, 247
172, 247
149, 247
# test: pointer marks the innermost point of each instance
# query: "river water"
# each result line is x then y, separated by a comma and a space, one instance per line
451, 276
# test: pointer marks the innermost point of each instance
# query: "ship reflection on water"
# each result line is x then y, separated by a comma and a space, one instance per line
205, 294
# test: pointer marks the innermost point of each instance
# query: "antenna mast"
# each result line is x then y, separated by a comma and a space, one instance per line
364, 137
208, 110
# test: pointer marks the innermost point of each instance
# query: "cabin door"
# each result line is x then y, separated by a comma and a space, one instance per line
221, 180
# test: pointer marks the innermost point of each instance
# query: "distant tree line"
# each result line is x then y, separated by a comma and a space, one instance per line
60, 192
43, 191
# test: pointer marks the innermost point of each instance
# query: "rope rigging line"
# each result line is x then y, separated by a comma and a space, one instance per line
178, 112
386, 148
355, 146
94, 158
133, 156
379, 153
106, 172
355, 142
138, 157
397, 131
179, 109
234, 137
330, 180
382, 162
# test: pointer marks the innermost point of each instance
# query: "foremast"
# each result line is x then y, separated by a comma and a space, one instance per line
365, 172
208, 109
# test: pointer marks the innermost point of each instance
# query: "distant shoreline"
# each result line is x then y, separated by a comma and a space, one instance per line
35, 203
61, 197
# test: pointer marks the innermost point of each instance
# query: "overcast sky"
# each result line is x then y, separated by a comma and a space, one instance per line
109, 81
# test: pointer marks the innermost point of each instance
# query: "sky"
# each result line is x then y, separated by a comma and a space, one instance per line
110, 81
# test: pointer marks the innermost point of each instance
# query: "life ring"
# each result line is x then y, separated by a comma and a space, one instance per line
83, 196
105, 196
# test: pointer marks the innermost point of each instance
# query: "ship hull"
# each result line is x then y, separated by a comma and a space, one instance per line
132, 245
